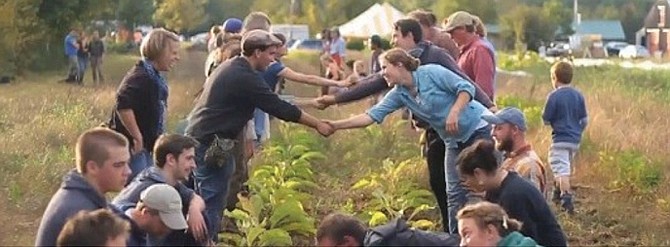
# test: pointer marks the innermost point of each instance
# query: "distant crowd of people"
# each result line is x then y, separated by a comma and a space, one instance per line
491, 188
82, 49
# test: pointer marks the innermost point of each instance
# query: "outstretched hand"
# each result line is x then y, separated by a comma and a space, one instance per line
325, 129
325, 101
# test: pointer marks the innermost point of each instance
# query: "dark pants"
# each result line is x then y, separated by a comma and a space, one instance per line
212, 182
434, 152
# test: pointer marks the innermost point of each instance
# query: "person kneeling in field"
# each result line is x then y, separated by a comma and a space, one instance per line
102, 158
101, 227
487, 224
157, 214
343, 230
174, 156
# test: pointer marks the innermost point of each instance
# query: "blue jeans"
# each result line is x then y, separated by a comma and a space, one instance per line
456, 193
83, 65
212, 182
139, 162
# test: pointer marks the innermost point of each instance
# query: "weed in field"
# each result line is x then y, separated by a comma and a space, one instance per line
633, 172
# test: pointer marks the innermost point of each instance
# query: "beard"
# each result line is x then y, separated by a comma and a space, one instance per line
505, 145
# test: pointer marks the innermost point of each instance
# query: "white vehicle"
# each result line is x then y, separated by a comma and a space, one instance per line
292, 32
634, 51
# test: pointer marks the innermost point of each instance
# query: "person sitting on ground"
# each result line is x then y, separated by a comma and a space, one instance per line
509, 132
344, 230
101, 227
174, 156
479, 170
158, 212
565, 111
101, 157
485, 224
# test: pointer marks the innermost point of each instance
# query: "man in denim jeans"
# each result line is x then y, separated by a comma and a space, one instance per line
71, 47
224, 108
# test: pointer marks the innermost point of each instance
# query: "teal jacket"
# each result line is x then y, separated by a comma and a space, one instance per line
516, 239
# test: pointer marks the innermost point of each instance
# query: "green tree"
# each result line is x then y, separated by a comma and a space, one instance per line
135, 12
180, 15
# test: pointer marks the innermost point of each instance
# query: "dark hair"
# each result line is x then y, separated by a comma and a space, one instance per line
92, 228
249, 49
173, 144
480, 155
281, 37
337, 226
376, 40
409, 26
425, 18
397, 55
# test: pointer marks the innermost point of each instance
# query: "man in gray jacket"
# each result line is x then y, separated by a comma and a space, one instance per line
102, 157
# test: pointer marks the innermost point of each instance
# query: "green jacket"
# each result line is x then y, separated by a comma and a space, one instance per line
517, 239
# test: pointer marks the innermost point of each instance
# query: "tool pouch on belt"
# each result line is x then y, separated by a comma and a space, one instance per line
220, 151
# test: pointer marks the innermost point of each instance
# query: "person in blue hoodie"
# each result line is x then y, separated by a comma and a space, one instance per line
102, 166
487, 224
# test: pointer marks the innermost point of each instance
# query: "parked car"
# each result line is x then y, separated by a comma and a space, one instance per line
558, 49
613, 48
307, 44
634, 51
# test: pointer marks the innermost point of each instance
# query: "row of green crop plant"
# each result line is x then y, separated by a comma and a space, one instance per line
281, 189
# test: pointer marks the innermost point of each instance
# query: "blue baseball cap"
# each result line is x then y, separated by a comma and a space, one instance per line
232, 25
511, 115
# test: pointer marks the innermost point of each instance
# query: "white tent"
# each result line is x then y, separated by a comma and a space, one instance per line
378, 19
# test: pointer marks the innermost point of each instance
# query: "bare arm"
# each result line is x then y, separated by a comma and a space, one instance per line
308, 120
127, 117
288, 73
196, 221
358, 121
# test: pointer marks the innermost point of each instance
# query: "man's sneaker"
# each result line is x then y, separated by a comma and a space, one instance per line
567, 204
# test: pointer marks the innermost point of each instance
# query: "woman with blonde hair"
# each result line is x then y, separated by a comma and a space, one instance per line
141, 99
487, 224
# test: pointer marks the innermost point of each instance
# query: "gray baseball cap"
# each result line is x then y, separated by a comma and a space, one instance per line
511, 115
166, 200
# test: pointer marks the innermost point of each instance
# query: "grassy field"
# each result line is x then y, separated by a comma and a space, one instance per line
622, 187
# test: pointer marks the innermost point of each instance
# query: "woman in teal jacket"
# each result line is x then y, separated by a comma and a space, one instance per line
487, 224
437, 96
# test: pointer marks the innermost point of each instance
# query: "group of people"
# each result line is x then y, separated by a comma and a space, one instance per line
80, 50
174, 188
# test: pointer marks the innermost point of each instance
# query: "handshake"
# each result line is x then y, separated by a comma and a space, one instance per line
326, 127
320, 103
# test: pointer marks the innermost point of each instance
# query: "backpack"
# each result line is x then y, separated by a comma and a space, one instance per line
397, 233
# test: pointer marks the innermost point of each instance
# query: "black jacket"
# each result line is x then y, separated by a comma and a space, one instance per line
229, 98
139, 93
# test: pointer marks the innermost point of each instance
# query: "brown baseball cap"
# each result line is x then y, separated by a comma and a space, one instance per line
257, 38
459, 19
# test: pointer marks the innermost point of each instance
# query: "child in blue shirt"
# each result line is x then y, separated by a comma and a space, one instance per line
565, 111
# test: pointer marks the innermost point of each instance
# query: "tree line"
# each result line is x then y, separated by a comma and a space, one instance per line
33, 29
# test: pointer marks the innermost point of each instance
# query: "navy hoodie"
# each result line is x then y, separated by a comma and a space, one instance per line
75, 194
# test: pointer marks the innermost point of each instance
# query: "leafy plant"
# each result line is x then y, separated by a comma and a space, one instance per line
279, 190
394, 196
